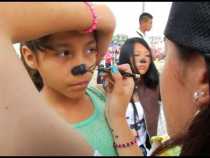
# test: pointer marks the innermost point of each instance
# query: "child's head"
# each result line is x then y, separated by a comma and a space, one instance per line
50, 60
145, 21
137, 53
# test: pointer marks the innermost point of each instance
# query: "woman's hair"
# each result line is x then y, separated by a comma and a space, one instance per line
35, 46
151, 77
196, 139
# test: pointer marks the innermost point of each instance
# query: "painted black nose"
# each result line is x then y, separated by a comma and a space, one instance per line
142, 61
79, 70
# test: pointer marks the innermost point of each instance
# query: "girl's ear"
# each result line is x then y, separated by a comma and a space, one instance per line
29, 57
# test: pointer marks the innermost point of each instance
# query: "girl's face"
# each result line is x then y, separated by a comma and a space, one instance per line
177, 86
142, 58
70, 49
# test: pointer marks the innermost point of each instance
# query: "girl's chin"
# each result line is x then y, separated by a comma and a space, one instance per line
142, 72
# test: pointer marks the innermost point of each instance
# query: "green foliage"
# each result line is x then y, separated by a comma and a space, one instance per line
119, 39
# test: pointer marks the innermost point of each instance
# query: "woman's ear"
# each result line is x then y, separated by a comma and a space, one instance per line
29, 57
201, 82
201, 95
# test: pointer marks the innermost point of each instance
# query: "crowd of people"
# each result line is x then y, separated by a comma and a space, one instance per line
50, 104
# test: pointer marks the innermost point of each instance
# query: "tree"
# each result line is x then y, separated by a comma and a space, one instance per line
119, 39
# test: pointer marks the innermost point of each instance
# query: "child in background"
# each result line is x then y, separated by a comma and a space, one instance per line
143, 111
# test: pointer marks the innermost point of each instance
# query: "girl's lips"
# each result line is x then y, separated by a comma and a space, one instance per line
142, 67
81, 83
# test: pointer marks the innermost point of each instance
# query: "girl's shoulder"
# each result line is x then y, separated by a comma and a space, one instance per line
98, 91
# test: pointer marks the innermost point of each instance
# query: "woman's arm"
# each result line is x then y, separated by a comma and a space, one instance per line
118, 98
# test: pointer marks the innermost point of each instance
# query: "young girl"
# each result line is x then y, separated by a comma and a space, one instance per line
55, 58
144, 106
60, 48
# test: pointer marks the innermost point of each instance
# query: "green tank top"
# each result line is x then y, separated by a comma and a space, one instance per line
95, 129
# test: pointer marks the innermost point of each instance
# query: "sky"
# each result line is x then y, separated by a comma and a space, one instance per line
127, 15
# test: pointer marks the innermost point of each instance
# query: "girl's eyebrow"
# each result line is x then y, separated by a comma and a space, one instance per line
147, 53
91, 42
63, 44
59, 45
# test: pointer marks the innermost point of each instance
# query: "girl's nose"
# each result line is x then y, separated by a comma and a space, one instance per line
79, 70
143, 60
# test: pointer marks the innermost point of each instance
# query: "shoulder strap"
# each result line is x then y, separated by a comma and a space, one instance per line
140, 34
135, 113
98, 92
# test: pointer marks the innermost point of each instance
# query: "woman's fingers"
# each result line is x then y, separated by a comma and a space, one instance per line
115, 78
108, 83
125, 67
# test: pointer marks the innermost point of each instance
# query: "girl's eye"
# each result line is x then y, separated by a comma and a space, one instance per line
64, 53
91, 50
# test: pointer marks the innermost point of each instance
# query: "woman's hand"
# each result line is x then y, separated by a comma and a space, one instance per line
119, 90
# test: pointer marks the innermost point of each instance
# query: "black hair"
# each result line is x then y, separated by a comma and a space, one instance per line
151, 77
195, 140
35, 46
145, 16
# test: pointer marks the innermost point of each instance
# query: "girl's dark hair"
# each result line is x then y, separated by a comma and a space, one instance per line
151, 78
35, 46
196, 139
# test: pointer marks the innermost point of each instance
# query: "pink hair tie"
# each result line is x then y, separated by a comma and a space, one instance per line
94, 18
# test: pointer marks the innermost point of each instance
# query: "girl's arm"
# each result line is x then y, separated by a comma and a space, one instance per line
22, 21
